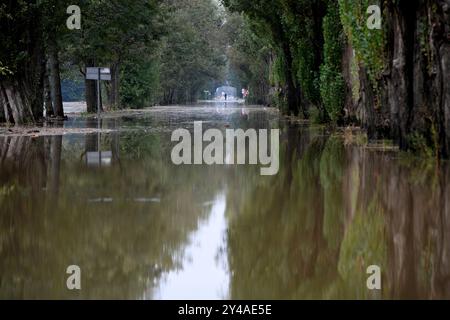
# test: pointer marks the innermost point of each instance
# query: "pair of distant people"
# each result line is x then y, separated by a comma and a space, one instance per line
245, 93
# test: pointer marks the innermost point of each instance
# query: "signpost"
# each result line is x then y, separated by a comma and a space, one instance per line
98, 74
99, 159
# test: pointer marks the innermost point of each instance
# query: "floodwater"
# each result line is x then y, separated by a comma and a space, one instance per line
140, 227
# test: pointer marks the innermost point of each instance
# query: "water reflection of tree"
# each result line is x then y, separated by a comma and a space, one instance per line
345, 208
122, 246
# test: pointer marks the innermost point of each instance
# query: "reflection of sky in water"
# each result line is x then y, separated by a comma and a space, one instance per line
204, 273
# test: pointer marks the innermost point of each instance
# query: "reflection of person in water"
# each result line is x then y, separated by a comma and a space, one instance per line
244, 113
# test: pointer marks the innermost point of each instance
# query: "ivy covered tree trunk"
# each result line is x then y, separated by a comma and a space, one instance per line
332, 85
404, 78
292, 92
22, 54
416, 80
440, 75
398, 84
366, 103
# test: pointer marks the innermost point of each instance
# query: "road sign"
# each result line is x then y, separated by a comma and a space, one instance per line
98, 74
95, 73
99, 158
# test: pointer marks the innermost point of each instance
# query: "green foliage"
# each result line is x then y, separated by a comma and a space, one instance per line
250, 59
293, 29
273, 23
140, 83
304, 41
368, 44
193, 49
332, 90
306, 74
332, 85
333, 38
113, 31
170, 48
122, 35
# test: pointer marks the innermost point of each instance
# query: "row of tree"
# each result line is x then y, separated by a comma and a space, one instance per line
158, 52
314, 58
326, 61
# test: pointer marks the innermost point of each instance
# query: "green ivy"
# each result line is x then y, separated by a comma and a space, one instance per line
332, 85
306, 61
368, 44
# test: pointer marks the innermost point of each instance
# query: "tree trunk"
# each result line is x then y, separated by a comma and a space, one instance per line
348, 61
292, 93
16, 109
366, 105
4, 112
91, 96
401, 82
48, 97
91, 90
55, 78
415, 86
21, 94
114, 98
440, 90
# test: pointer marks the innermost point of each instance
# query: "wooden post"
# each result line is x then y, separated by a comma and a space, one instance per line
98, 94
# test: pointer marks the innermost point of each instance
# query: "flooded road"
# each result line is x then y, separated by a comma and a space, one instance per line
140, 227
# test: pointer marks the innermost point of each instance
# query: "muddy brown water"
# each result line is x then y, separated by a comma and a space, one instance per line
140, 227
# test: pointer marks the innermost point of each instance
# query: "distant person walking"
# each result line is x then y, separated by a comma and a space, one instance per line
245, 93
226, 97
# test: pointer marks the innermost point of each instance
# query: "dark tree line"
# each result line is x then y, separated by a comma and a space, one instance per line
329, 64
158, 52
22, 62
